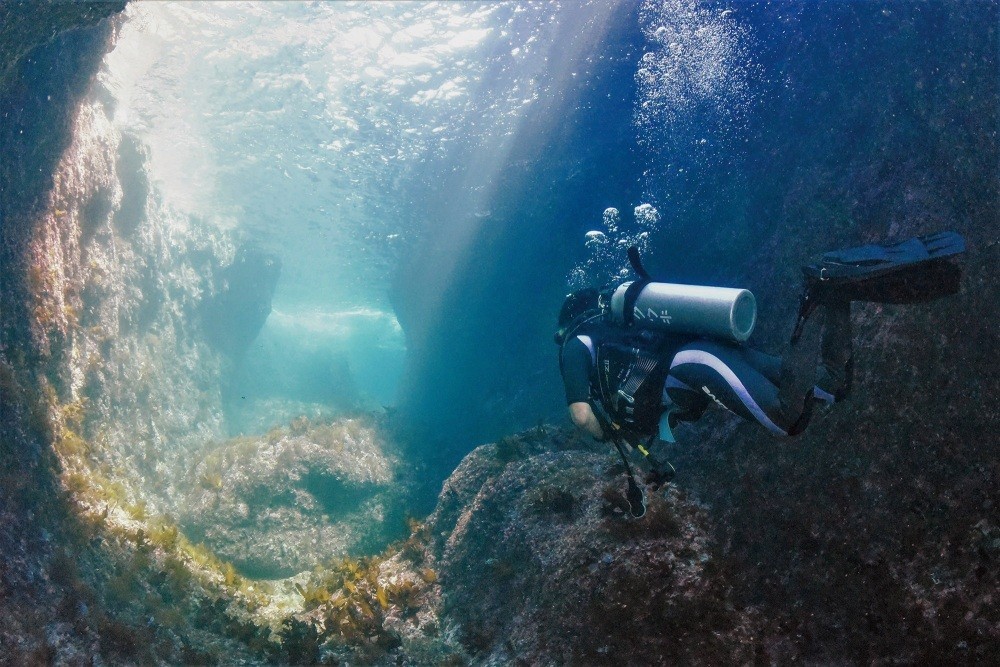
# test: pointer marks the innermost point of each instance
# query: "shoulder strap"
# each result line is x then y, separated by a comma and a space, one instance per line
636, 261
630, 297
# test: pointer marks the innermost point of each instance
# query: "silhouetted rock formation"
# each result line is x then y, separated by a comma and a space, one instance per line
235, 313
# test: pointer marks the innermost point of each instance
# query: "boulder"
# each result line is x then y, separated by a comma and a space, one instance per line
539, 561
286, 501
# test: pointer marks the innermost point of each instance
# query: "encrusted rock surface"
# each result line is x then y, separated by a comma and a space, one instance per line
540, 562
50, 54
283, 502
531, 558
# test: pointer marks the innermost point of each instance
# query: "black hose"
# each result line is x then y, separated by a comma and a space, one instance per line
636, 261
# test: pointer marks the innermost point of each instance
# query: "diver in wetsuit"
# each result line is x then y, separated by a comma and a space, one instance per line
630, 383
771, 391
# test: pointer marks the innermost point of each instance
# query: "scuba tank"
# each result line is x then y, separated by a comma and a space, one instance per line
714, 312
643, 321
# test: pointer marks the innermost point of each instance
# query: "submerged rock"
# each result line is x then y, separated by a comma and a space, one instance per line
283, 502
540, 562
530, 558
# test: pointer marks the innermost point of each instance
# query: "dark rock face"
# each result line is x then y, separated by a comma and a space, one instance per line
885, 510
26, 25
32, 593
49, 55
540, 562
234, 315
888, 504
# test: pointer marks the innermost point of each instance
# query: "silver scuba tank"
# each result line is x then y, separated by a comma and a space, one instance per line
715, 312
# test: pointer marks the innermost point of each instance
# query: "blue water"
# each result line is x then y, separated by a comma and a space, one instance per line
319, 131
435, 177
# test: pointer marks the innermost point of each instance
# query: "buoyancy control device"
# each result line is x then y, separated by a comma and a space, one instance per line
644, 322
631, 369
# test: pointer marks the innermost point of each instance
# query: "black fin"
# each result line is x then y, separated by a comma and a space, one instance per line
910, 271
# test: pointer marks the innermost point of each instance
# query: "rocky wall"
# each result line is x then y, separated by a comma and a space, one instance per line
106, 382
871, 537
531, 557
115, 313
50, 56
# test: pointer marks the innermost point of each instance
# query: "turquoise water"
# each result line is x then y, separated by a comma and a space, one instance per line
367, 145
316, 130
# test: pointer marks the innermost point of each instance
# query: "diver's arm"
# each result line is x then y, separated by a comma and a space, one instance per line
583, 416
575, 365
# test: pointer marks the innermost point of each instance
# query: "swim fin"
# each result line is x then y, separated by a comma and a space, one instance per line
911, 271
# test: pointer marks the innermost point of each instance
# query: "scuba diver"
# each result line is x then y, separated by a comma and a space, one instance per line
638, 358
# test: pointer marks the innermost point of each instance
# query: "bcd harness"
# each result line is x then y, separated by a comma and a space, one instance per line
631, 369
626, 387
632, 366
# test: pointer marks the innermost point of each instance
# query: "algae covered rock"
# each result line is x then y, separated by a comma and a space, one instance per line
529, 558
282, 502
540, 561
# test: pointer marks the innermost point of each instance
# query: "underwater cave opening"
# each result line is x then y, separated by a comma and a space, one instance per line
229, 285
224, 469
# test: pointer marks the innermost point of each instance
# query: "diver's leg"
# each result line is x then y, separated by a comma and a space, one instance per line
798, 370
835, 370
725, 374
837, 366
768, 364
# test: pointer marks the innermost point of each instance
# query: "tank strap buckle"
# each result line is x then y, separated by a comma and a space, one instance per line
629, 400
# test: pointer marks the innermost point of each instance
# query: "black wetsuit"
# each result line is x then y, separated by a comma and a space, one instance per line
774, 392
